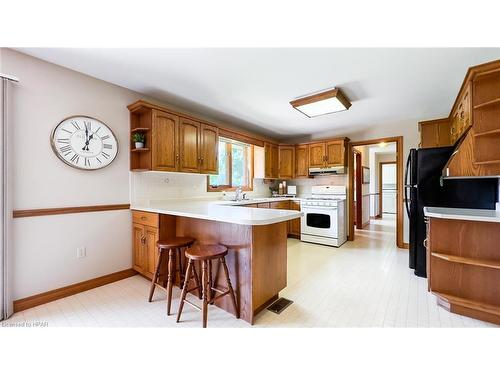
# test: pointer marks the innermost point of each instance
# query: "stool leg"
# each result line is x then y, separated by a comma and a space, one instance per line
179, 266
170, 279
184, 289
230, 287
204, 278
155, 276
197, 281
209, 289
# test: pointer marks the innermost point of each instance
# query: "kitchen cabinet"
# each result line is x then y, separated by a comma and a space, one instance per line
463, 266
189, 145
435, 133
301, 161
461, 115
145, 235
263, 205
271, 156
294, 225
164, 143
317, 155
286, 162
280, 205
330, 153
209, 149
172, 143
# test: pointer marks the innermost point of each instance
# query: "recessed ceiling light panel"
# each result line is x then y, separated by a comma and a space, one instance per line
322, 103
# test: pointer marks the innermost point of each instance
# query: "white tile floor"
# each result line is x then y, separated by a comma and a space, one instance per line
365, 283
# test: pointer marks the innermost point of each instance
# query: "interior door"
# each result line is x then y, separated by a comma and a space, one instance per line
335, 153
165, 141
209, 149
317, 155
189, 137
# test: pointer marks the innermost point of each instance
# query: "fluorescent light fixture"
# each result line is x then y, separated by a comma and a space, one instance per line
321, 103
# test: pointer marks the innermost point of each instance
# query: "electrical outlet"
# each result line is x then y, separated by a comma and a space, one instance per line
166, 180
81, 252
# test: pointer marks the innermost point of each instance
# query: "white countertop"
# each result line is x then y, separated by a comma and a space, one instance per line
491, 216
222, 211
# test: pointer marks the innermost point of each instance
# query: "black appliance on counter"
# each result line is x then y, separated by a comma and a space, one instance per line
424, 187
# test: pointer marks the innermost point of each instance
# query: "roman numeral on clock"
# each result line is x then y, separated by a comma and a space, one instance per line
106, 156
104, 137
88, 125
107, 146
67, 131
65, 148
87, 162
75, 124
63, 140
75, 159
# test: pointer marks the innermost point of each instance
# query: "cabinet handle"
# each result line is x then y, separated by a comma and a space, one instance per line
425, 243
143, 218
143, 240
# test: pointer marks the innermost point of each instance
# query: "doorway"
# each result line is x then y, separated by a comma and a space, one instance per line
373, 198
387, 187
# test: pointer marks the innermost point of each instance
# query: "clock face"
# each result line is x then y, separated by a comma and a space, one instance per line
84, 143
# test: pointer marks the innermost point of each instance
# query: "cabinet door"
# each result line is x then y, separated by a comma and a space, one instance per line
428, 135
275, 161
335, 153
302, 161
268, 161
189, 137
317, 155
151, 235
263, 205
165, 153
138, 248
209, 149
294, 225
286, 162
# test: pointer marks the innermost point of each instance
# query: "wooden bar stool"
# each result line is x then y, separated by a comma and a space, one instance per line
205, 254
173, 246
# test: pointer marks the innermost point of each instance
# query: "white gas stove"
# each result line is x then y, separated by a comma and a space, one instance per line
324, 216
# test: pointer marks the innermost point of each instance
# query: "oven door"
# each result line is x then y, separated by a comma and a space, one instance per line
319, 221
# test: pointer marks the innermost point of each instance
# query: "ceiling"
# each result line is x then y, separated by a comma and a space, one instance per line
252, 88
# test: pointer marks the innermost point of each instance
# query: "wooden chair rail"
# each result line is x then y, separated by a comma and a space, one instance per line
68, 210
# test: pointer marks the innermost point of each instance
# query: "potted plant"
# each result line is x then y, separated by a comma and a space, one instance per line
138, 138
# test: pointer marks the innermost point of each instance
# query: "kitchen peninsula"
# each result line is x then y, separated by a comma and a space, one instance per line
256, 239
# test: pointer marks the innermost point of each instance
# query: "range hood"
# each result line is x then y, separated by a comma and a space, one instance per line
327, 171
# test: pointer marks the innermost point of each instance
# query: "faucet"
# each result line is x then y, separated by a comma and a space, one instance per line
238, 195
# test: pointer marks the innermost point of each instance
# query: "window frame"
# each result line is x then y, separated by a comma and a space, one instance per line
248, 187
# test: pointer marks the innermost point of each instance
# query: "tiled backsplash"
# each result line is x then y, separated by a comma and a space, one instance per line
304, 184
165, 185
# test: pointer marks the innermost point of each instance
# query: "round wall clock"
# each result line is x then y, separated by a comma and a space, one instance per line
84, 142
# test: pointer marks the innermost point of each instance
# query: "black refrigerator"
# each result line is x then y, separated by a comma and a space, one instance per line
424, 187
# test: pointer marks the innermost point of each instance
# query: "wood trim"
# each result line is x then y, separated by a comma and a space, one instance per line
380, 164
399, 171
334, 93
68, 210
359, 189
52, 295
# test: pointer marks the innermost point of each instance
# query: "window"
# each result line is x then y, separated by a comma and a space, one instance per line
235, 167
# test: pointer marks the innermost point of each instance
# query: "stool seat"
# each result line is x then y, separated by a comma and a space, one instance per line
206, 252
174, 243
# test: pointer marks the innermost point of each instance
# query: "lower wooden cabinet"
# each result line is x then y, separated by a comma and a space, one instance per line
145, 235
294, 225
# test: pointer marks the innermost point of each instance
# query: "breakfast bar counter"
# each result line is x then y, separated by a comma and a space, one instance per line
255, 237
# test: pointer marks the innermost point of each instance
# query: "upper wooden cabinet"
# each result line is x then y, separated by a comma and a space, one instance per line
475, 116
286, 162
189, 145
271, 157
173, 143
164, 141
435, 133
331, 153
302, 161
317, 154
209, 149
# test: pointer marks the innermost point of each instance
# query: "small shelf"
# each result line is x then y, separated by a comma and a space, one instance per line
135, 130
139, 150
469, 261
488, 133
468, 303
486, 162
487, 104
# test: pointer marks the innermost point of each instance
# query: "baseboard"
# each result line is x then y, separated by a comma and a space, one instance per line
406, 245
52, 295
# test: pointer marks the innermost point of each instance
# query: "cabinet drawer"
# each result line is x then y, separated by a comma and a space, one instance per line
282, 205
146, 218
263, 205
